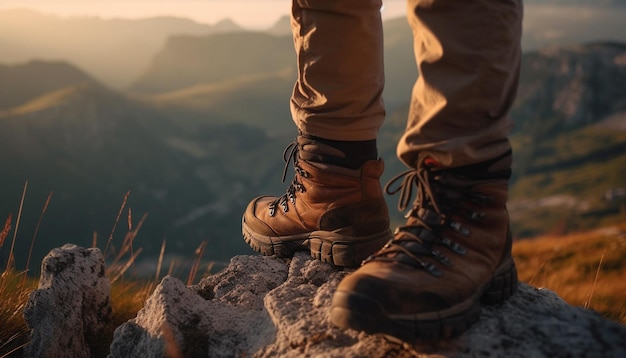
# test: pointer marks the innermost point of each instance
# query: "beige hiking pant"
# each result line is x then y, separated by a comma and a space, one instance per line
468, 56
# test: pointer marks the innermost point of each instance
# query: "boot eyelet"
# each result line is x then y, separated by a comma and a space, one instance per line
481, 199
432, 269
441, 258
456, 226
476, 215
453, 246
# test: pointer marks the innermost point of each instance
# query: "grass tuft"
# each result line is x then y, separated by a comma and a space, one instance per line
14, 290
585, 269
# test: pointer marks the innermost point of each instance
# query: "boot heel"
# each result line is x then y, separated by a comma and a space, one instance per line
502, 286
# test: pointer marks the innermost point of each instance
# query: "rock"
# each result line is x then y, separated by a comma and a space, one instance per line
222, 317
266, 307
68, 310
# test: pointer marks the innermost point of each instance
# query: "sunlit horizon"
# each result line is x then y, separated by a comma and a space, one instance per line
251, 14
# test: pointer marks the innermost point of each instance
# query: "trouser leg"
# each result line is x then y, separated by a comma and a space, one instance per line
339, 48
468, 56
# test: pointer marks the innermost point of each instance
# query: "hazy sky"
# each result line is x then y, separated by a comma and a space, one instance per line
246, 13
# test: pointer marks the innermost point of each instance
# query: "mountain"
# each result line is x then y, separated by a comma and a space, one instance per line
223, 26
23, 82
114, 51
282, 27
255, 100
119, 52
568, 87
559, 24
90, 145
191, 60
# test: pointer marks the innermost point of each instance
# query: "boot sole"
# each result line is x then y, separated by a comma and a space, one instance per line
359, 312
326, 246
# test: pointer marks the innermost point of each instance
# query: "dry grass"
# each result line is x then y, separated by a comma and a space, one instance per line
127, 298
127, 295
14, 291
16, 286
586, 269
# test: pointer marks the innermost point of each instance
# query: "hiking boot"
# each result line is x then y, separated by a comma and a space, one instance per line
337, 213
453, 253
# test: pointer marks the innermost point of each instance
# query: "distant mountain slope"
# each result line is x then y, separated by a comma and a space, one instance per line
282, 27
567, 24
90, 145
256, 100
189, 60
114, 51
568, 87
23, 82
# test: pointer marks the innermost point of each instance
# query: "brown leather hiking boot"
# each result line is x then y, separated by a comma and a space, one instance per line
453, 253
339, 214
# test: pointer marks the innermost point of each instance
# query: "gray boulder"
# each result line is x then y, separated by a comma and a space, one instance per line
266, 307
71, 305
225, 317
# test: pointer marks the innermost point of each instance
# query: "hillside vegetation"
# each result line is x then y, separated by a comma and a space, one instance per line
24, 82
223, 57
586, 269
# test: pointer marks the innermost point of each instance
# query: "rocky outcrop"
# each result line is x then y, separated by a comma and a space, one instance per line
266, 307
71, 305
568, 87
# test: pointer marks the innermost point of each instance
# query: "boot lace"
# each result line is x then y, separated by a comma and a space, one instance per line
438, 196
290, 156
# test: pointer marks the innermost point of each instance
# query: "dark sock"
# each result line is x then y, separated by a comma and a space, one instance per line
484, 170
348, 154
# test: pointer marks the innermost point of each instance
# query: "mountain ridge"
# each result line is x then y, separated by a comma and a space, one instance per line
177, 65
113, 50
118, 51
20, 83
